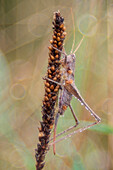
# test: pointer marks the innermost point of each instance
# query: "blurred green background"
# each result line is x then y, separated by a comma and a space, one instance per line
25, 31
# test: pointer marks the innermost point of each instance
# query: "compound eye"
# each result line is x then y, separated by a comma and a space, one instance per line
73, 56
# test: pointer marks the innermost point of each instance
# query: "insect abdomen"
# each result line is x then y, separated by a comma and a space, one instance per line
64, 101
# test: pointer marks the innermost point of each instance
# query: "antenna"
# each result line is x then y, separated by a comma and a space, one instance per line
78, 45
74, 31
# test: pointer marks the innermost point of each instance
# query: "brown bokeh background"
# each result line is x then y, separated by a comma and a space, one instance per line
25, 30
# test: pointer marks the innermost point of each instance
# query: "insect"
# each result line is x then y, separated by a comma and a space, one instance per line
69, 89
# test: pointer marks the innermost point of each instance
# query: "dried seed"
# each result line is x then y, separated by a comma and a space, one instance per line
62, 25
48, 90
58, 38
64, 33
55, 45
59, 43
48, 104
50, 61
50, 48
54, 78
52, 87
50, 76
58, 34
55, 32
54, 37
47, 84
63, 28
54, 97
53, 68
62, 37
69, 81
58, 30
58, 76
42, 158
44, 103
51, 126
57, 87
54, 73
70, 71
57, 71
56, 52
51, 41
52, 57
55, 90
57, 61
57, 56
64, 107
55, 42
49, 95
46, 98
41, 134
49, 71
40, 129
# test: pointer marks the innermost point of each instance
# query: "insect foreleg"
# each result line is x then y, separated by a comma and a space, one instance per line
59, 51
65, 59
46, 78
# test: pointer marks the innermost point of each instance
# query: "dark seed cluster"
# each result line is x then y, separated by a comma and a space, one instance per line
51, 89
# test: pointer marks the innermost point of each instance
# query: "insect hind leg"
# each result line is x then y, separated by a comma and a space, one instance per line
98, 120
70, 128
54, 134
76, 131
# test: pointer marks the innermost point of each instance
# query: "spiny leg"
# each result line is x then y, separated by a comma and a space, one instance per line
73, 90
56, 121
61, 133
54, 133
77, 131
77, 122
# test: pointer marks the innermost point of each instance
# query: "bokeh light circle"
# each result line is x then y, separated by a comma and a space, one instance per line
17, 91
87, 25
107, 106
16, 159
38, 25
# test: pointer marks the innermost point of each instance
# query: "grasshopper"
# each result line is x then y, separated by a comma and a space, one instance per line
69, 89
